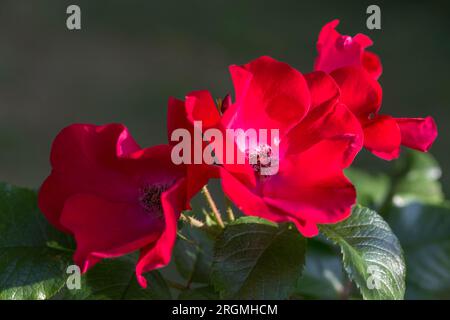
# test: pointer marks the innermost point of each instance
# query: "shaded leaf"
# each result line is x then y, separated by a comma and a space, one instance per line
323, 276
372, 255
202, 293
256, 259
424, 232
194, 254
33, 255
115, 279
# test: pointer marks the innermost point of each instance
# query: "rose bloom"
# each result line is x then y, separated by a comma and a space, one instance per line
318, 138
356, 71
113, 196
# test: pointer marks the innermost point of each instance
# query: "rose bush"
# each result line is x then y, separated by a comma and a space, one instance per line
114, 198
356, 71
318, 138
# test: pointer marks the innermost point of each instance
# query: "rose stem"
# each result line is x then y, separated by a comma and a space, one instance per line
192, 221
213, 206
229, 209
175, 285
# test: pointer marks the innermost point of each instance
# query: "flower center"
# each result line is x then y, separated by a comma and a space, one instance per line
150, 197
262, 159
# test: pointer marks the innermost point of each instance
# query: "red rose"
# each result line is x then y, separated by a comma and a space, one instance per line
113, 196
318, 138
356, 70
336, 51
198, 105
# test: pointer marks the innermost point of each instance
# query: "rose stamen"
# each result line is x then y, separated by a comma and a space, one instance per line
261, 159
150, 197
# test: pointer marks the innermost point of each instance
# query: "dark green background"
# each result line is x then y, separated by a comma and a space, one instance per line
130, 56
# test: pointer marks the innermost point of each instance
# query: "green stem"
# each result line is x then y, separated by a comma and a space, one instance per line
195, 224
230, 212
213, 207
182, 237
56, 246
192, 221
175, 285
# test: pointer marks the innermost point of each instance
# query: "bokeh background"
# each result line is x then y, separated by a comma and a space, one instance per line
130, 56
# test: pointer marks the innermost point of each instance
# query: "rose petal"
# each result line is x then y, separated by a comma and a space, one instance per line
372, 63
322, 87
336, 51
417, 133
245, 198
158, 255
200, 106
85, 159
382, 137
105, 229
269, 94
359, 91
176, 117
311, 185
328, 121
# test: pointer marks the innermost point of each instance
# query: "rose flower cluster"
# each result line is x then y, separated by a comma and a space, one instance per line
115, 197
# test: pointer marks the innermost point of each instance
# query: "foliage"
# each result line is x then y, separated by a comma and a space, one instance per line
395, 245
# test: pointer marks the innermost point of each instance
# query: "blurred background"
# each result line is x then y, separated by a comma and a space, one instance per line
130, 56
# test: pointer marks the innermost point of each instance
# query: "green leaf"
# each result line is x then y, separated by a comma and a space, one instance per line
194, 254
33, 255
256, 259
417, 179
115, 279
424, 232
372, 189
201, 293
323, 276
372, 255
